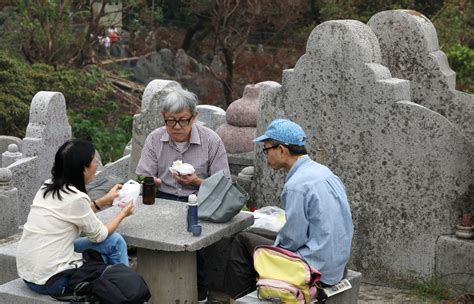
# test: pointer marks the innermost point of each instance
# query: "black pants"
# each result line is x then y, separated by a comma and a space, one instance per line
240, 276
171, 197
200, 259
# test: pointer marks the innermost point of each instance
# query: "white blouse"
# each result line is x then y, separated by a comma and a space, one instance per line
47, 244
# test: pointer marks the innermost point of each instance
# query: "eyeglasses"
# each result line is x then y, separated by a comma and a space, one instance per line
182, 122
265, 150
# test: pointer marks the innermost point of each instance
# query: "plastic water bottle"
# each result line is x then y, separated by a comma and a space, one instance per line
192, 205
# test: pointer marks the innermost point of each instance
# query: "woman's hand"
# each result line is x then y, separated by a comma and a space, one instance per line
107, 199
128, 209
191, 179
111, 195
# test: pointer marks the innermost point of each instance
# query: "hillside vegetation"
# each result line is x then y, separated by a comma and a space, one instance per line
54, 46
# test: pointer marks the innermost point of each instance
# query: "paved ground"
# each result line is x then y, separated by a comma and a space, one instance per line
378, 294
374, 294
368, 293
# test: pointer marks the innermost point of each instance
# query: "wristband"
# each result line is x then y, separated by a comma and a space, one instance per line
96, 206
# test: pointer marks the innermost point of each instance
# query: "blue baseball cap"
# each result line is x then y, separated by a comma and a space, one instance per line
285, 131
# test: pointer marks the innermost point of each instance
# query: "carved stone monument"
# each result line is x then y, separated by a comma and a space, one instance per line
406, 167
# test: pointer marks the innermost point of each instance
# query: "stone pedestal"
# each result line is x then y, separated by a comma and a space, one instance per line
173, 288
245, 180
455, 264
8, 204
239, 161
240, 128
11, 155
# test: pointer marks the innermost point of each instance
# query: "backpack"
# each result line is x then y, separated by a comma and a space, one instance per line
284, 276
97, 282
119, 284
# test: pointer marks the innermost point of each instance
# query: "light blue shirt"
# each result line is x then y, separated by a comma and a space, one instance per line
318, 218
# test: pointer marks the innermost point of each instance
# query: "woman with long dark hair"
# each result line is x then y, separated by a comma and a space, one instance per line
60, 212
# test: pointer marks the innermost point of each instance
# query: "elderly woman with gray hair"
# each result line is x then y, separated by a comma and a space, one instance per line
181, 138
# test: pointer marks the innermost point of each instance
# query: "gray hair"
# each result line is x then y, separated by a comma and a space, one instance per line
178, 100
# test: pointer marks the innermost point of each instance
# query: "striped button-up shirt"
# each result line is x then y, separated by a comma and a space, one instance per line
205, 151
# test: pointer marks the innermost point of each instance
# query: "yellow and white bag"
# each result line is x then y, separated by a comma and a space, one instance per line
284, 276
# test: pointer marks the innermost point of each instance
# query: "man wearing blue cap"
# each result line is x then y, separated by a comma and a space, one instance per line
318, 218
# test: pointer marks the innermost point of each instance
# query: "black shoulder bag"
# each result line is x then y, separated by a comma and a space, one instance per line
97, 282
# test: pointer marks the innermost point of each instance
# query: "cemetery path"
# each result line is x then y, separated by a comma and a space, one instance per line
374, 294
368, 293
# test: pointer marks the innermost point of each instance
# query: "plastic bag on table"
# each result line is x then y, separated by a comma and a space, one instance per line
270, 218
129, 192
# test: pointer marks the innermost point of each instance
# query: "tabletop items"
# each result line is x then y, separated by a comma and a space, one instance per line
148, 190
192, 214
129, 193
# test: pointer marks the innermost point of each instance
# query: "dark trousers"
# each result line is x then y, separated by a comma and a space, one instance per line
171, 197
200, 259
240, 277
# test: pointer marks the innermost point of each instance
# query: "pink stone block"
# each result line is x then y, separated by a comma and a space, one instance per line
237, 139
243, 111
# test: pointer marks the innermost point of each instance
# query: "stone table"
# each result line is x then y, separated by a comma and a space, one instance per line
166, 251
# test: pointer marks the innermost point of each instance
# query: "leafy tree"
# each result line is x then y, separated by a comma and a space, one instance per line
229, 23
461, 59
54, 32
58, 32
89, 97
109, 138
455, 23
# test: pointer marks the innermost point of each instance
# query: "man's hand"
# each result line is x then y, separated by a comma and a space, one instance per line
157, 181
190, 180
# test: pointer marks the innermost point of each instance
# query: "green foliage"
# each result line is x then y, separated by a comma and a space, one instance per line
131, 21
139, 15
88, 96
454, 23
109, 140
42, 31
13, 113
432, 290
140, 179
158, 15
53, 32
461, 60
16, 92
120, 70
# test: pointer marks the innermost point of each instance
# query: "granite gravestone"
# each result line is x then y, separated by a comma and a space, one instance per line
405, 166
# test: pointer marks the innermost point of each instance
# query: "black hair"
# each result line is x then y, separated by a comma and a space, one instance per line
69, 164
293, 149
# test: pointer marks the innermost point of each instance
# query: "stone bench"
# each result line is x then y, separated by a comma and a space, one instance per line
8, 262
346, 297
17, 292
